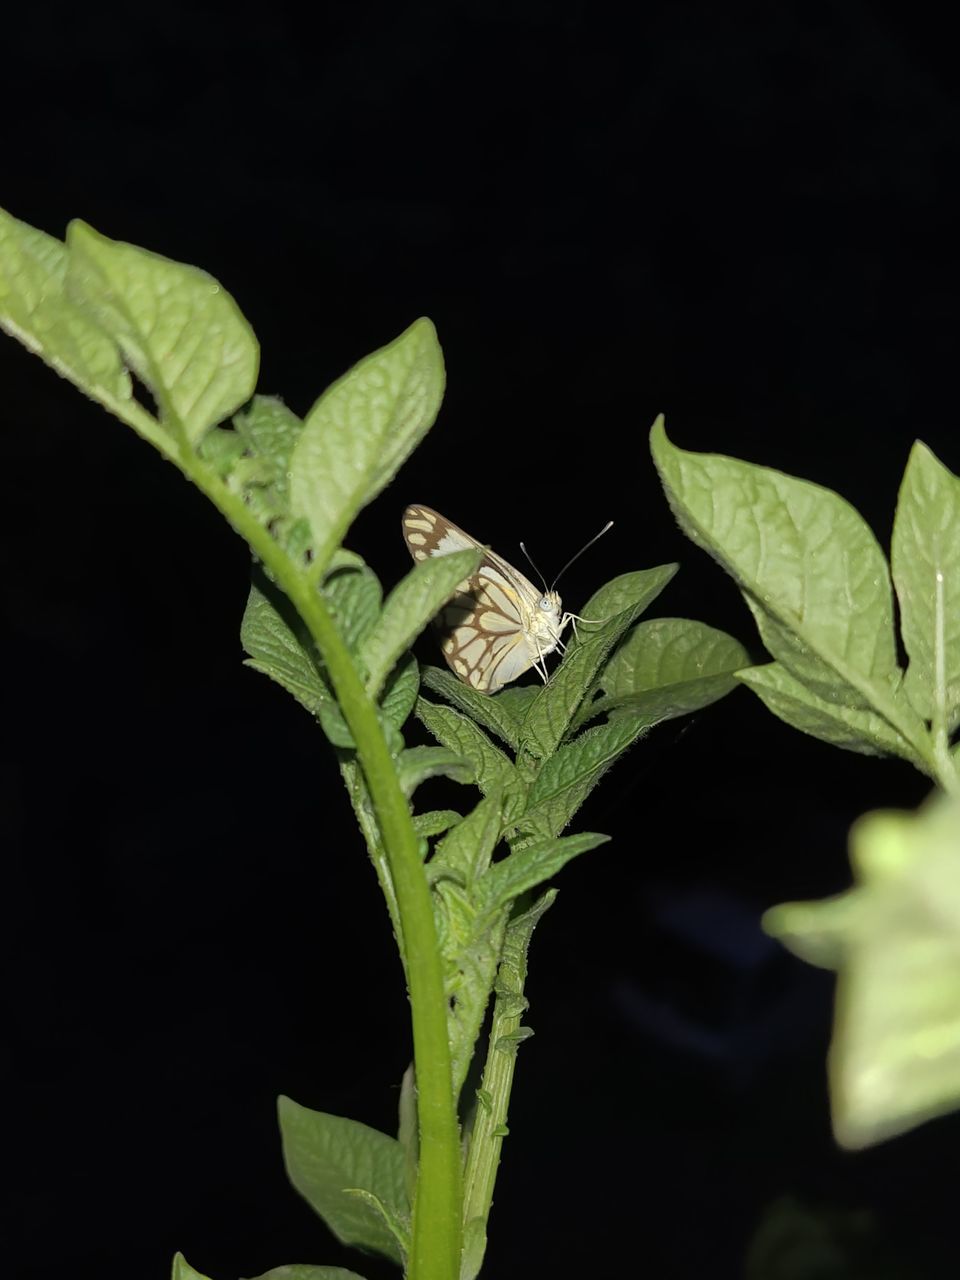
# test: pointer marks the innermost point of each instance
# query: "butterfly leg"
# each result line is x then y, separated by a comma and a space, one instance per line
540, 666
574, 618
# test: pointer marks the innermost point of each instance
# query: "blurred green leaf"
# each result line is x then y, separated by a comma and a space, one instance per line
895, 940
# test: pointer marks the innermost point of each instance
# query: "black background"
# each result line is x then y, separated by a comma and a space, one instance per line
743, 216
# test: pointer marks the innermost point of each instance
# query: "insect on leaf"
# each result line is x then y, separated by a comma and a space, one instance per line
499, 624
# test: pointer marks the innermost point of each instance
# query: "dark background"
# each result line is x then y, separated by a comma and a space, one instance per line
744, 216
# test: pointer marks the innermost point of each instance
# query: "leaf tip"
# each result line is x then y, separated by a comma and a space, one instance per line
80, 231
422, 333
661, 446
425, 327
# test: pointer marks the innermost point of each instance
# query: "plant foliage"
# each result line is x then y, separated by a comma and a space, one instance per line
822, 593
463, 891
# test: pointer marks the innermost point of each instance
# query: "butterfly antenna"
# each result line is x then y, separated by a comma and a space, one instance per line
586, 547
534, 567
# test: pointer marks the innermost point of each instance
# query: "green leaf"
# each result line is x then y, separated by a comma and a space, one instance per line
847, 727
269, 431
399, 1230
811, 571
527, 867
302, 1271
354, 596
280, 647
328, 1156
33, 266
797, 1241
493, 711
895, 939
35, 309
470, 939
513, 967
178, 329
624, 592
274, 637
221, 449
416, 764
926, 571
335, 726
667, 654
435, 822
343, 559
470, 944
451, 729
516, 700
668, 667
568, 777
466, 850
400, 692
182, 1270
552, 711
815, 931
409, 607
361, 430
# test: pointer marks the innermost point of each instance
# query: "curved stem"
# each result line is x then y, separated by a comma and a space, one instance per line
436, 1236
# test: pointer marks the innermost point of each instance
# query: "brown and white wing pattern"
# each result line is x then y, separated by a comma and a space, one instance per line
484, 627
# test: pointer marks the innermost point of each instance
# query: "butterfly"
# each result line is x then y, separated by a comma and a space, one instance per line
498, 624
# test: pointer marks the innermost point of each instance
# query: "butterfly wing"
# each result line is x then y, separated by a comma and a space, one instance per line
483, 632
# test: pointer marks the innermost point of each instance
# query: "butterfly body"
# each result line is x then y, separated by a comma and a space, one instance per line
498, 625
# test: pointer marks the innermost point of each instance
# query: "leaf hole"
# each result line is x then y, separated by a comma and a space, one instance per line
143, 396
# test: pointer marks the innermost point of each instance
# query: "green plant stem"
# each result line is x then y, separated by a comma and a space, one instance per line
946, 769
436, 1233
493, 1096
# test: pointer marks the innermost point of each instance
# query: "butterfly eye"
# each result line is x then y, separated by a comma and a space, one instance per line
545, 603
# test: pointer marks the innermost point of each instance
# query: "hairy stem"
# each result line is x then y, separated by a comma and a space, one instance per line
493, 1096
